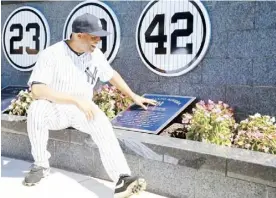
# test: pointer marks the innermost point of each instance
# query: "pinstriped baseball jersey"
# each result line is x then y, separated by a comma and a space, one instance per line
63, 70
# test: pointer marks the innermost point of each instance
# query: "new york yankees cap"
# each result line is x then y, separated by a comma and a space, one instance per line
88, 23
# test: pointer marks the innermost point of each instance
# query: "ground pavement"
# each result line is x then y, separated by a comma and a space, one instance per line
60, 184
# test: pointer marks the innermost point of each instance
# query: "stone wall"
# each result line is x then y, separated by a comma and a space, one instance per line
172, 167
239, 67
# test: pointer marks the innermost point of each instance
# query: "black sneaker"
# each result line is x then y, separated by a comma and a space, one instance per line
129, 185
35, 175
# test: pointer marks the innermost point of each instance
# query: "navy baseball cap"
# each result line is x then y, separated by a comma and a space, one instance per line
88, 23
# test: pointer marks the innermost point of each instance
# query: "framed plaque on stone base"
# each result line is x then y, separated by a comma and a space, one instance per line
155, 118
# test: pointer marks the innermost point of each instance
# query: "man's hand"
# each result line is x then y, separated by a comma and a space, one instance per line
120, 84
88, 108
139, 100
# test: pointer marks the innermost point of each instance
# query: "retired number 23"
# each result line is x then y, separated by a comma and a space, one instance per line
161, 38
13, 39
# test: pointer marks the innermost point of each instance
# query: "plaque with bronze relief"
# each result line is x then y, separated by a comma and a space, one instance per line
155, 118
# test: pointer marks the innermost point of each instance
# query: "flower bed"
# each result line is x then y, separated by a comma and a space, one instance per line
208, 122
108, 98
214, 123
257, 133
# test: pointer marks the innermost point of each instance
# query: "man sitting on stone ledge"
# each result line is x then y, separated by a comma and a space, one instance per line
62, 83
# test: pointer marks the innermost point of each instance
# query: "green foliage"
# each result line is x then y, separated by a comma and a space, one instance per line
257, 133
21, 103
110, 100
210, 122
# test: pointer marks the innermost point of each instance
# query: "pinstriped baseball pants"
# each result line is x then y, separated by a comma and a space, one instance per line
44, 116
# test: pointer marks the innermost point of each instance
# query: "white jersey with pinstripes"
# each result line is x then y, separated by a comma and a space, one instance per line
63, 70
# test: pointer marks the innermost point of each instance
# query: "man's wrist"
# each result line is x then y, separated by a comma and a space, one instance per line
74, 101
132, 95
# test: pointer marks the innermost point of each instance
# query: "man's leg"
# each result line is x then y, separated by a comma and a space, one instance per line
42, 117
113, 159
102, 134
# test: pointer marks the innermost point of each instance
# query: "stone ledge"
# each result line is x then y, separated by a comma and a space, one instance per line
200, 148
149, 155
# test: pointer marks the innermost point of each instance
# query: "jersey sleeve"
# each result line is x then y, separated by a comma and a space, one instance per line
105, 70
42, 71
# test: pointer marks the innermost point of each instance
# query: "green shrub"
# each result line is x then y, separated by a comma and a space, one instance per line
257, 133
210, 122
21, 103
111, 100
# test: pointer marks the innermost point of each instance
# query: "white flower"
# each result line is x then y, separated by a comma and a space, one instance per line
273, 119
216, 110
21, 92
10, 107
24, 105
207, 114
226, 116
219, 119
28, 100
266, 149
257, 115
13, 100
225, 105
210, 101
201, 102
